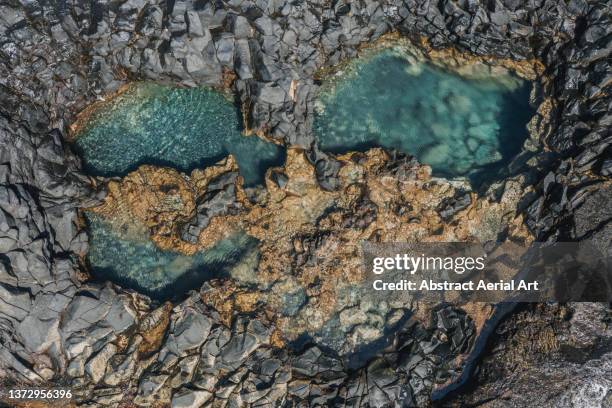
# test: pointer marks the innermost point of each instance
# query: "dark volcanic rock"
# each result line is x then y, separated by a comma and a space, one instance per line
111, 346
219, 199
563, 352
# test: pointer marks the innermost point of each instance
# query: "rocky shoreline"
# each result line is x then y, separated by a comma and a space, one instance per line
116, 348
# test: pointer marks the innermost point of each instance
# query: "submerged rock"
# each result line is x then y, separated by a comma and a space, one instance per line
146, 123
429, 114
309, 243
59, 57
436, 154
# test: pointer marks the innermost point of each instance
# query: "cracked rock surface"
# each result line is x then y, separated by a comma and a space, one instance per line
116, 348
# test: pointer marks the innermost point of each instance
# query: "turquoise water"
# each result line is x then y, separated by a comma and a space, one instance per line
133, 261
176, 127
459, 126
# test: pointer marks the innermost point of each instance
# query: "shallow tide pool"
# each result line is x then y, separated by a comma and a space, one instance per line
175, 127
133, 261
184, 128
459, 126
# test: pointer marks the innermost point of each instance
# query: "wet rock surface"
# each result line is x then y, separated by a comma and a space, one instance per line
308, 277
116, 348
562, 350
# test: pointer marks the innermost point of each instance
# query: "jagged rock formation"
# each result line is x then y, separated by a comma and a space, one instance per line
116, 348
561, 350
309, 269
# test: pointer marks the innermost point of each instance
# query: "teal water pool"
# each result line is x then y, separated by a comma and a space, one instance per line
132, 260
184, 128
457, 125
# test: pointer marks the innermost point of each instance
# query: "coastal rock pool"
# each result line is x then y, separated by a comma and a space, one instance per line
460, 126
174, 127
184, 128
131, 259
